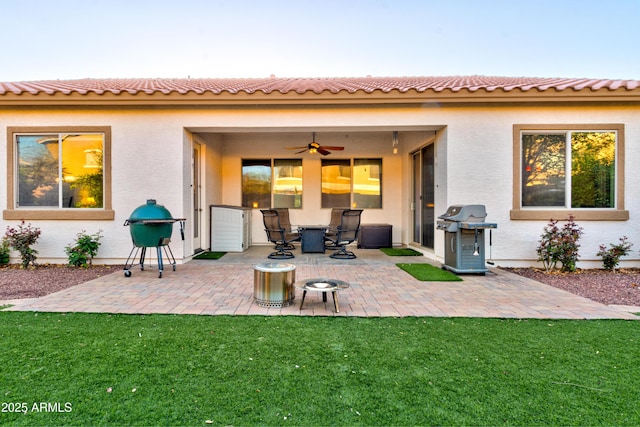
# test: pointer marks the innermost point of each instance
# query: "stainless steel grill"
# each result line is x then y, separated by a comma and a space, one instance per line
464, 248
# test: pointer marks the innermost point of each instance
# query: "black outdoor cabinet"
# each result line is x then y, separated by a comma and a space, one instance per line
374, 236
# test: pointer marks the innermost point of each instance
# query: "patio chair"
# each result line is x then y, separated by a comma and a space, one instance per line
277, 235
347, 233
285, 223
334, 223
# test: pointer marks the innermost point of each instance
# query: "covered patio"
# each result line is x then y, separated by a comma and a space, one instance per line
378, 288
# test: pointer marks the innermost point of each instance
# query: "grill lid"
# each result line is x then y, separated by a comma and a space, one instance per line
152, 225
150, 211
465, 213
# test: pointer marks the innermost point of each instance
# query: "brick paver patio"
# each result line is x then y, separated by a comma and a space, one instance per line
377, 288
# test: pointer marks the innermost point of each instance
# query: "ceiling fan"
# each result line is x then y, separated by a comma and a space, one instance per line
314, 147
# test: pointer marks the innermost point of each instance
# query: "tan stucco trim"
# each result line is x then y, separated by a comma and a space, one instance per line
77, 214
546, 215
618, 214
11, 213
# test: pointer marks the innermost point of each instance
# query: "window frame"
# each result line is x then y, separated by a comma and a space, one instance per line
272, 180
518, 212
28, 213
352, 193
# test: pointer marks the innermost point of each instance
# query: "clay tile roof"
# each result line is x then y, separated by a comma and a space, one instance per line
217, 86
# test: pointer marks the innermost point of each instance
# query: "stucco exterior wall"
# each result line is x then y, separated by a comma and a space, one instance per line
147, 162
151, 158
479, 170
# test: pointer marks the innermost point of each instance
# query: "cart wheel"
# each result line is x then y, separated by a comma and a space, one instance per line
160, 275
174, 268
141, 267
127, 273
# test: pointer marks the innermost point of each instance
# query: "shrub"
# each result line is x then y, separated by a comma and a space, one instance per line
559, 245
21, 239
4, 252
611, 256
86, 247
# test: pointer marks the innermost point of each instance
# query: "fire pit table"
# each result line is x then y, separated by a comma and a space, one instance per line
322, 285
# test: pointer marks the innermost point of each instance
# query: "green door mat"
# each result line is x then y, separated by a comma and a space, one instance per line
401, 252
209, 255
429, 273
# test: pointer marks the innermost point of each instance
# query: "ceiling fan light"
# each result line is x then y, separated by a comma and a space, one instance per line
313, 150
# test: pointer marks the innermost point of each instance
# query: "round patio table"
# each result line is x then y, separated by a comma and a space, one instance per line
322, 285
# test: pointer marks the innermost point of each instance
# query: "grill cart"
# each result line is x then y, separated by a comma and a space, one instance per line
151, 225
464, 227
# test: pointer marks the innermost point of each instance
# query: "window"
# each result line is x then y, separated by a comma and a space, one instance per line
256, 184
336, 183
59, 174
272, 183
564, 170
357, 184
287, 183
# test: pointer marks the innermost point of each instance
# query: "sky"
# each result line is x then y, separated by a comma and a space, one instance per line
73, 39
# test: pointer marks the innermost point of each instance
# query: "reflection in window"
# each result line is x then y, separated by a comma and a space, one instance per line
590, 158
357, 186
256, 184
336, 183
593, 169
265, 186
60, 170
287, 183
543, 178
367, 174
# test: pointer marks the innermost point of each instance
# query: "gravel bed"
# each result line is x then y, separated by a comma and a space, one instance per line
607, 287
17, 283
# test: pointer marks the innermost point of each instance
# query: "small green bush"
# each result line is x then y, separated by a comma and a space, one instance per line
4, 252
611, 256
85, 248
559, 245
21, 239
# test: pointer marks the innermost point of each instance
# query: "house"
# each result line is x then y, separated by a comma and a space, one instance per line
83, 154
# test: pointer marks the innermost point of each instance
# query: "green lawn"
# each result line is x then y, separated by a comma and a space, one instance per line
199, 370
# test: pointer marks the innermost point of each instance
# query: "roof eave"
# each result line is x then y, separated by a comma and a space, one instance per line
312, 98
